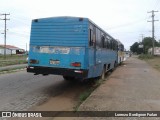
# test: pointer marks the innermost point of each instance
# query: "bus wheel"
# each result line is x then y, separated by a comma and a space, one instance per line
103, 74
68, 78
115, 64
114, 67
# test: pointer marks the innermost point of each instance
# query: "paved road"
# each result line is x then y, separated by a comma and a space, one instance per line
22, 90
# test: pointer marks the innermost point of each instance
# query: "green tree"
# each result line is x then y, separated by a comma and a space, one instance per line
135, 48
147, 42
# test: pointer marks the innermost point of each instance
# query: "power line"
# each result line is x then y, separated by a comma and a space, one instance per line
127, 24
5, 30
23, 21
17, 34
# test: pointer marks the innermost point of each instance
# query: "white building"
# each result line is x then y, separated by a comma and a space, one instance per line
156, 50
10, 50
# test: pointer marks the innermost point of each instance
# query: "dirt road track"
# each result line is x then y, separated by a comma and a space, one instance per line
133, 87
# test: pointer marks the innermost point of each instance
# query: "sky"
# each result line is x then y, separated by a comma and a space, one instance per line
125, 20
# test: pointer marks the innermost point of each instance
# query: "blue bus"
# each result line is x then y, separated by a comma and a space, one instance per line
73, 47
120, 52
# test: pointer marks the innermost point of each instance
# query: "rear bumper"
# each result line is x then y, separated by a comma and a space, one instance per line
58, 71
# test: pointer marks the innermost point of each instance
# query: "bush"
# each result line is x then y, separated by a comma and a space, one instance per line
145, 56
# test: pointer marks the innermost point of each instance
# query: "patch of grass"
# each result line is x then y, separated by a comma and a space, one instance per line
157, 67
10, 70
12, 60
154, 61
84, 95
9, 57
145, 56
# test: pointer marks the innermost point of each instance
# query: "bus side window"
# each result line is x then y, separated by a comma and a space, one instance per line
108, 44
102, 41
116, 46
105, 42
98, 39
112, 44
91, 38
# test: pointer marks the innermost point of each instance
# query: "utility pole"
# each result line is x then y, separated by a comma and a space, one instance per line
26, 47
153, 29
142, 45
5, 30
142, 37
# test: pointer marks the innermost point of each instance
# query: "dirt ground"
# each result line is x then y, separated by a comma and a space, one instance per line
132, 87
65, 101
155, 62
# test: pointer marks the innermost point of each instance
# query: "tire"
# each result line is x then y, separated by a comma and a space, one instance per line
115, 64
103, 74
114, 67
68, 78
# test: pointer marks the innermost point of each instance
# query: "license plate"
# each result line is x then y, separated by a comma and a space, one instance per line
54, 62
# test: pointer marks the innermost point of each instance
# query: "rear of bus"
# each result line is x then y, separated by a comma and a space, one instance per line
120, 52
58, 46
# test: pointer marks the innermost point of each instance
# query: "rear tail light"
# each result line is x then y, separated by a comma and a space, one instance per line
33, 61
76, 64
